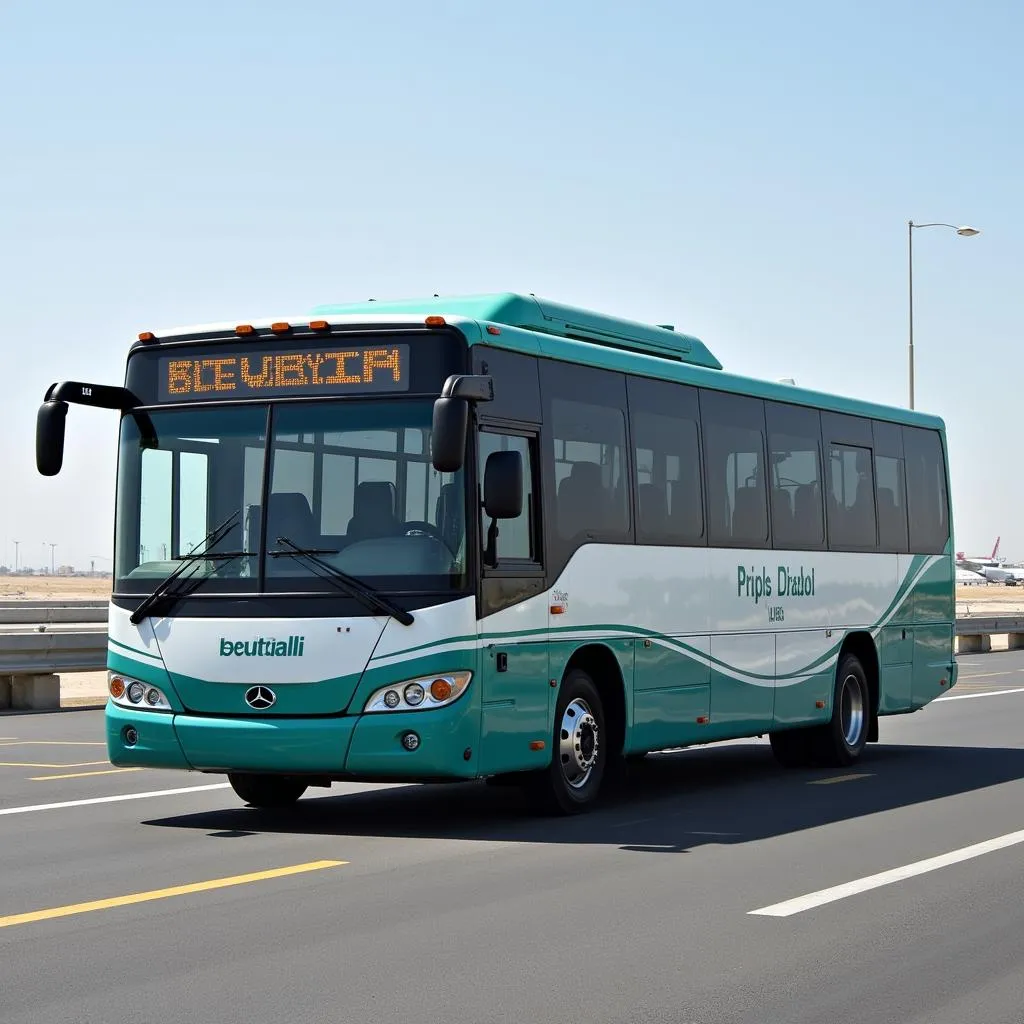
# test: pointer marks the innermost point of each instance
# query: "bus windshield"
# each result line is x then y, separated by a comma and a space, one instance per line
348, 482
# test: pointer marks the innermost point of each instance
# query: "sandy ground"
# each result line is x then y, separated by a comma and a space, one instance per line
54, 588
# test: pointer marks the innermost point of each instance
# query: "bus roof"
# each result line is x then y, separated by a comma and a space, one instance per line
529, 313
552, 329
540, 327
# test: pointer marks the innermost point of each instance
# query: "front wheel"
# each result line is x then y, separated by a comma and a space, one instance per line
267, 790
572, 782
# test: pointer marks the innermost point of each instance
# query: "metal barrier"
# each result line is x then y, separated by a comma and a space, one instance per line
39, 639
38, 613
974, 632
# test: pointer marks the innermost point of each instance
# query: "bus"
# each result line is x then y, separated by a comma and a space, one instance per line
498, 537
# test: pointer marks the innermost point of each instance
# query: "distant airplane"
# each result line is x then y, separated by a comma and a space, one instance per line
979, 562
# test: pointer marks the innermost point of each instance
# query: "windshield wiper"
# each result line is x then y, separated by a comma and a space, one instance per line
165, 594
350, 585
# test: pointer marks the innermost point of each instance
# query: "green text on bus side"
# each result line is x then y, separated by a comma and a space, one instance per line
789, 582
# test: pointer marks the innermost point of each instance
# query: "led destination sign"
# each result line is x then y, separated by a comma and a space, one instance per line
275, 374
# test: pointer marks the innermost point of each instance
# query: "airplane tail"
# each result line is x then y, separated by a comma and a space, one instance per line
995, 550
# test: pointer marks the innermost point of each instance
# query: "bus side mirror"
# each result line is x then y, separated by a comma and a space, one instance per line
503, 485
50, 437
448, 434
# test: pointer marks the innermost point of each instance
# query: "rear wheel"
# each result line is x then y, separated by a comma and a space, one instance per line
267, 790
572, 782
841, 741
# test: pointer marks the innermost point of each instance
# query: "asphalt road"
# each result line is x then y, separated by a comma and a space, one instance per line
452, 904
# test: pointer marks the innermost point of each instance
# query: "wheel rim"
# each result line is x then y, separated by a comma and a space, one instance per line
579, 743
852, 710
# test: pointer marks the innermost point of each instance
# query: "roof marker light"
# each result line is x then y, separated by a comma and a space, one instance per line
280, 327
147, 336
494, 330
245, 329
318, 325
435, 321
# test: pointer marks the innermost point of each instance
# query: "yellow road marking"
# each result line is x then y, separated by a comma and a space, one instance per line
51, 743
841, 778
82, 775
162, 894
38, 764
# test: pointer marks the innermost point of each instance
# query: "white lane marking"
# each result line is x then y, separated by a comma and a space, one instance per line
840, 892
112, 799
971, 696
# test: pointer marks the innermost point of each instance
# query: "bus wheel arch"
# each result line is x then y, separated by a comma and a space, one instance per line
603, 668
862, 646
588, 733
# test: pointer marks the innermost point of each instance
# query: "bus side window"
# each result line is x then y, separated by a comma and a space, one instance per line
664, 423
926, 490
733, 428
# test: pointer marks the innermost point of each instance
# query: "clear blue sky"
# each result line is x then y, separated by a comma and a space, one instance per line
742, 170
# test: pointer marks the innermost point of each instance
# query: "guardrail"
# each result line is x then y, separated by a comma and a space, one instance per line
974, 632
38, 613
41, 639
71, 636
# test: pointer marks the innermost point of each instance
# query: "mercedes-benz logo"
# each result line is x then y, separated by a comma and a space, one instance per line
260, 697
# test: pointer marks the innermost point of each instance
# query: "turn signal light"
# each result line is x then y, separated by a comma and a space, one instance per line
440, 689
116, 687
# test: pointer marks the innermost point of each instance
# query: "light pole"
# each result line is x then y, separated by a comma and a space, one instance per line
964, 230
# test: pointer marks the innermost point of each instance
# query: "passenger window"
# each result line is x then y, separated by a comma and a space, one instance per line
670, 503
590, 468
892, 503
734, 469
515, 537
794, 446
927, 502
851, 505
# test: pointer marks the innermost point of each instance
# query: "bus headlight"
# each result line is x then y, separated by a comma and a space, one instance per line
132, 693
420, 694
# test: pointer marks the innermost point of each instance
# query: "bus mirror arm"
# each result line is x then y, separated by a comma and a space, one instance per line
450, 425
100, 396
52, 416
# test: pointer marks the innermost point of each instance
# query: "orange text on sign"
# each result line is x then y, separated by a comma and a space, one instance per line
296, 369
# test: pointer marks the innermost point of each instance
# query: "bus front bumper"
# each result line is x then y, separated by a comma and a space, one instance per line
358, 747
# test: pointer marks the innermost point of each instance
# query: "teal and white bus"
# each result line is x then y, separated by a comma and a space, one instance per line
498, 537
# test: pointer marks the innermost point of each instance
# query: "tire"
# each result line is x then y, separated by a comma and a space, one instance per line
579, 751
841, 741
267, 790
793, 748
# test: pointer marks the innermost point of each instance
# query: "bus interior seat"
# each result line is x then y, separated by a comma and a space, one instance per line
581, 499
783, 521
373, 509
889, 518
289, 515
748, 516
807, 513
653, 508
685, 516
448, 515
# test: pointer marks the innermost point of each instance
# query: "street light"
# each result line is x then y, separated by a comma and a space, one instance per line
964, 230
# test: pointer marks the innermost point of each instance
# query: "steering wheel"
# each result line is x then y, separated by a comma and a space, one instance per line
420, 527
